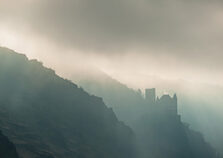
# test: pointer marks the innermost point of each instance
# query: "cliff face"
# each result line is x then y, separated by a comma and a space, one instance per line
7, 148
44, 114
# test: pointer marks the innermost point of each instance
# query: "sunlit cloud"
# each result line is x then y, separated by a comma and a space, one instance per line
170, 39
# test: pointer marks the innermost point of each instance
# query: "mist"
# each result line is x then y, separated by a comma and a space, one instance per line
173, 46
168, 39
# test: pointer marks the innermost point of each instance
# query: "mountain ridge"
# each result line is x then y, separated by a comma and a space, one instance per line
150, 121
47, 115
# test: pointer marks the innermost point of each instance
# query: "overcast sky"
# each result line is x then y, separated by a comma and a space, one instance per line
171, 39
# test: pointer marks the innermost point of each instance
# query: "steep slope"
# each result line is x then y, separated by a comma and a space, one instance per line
7, 148
122, 99
166, 136
159, 135
44, 114
97, 82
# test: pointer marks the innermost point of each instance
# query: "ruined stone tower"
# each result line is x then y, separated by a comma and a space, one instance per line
150, 95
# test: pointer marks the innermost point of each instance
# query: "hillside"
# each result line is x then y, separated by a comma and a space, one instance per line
7, 148
45, 115
122, 99
160, 132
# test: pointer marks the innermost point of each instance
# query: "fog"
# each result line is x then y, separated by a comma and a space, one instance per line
173, 45
169, 39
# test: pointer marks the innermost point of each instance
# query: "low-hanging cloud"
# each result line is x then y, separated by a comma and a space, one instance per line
185, 30
118, 23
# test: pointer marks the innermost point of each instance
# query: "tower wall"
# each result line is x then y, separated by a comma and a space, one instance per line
150, 95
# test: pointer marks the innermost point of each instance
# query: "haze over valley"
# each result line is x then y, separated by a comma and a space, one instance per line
101, 78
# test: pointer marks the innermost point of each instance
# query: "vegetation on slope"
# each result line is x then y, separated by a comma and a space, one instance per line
44, 114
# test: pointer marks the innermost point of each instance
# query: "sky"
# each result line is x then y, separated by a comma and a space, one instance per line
142, 43
128, 39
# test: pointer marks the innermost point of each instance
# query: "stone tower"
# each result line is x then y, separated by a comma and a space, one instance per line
150, 95
175, 103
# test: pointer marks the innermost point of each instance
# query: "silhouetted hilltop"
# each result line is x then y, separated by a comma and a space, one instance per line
45, 115
156, 122
161, 130
97, 82
115, 94
7, 148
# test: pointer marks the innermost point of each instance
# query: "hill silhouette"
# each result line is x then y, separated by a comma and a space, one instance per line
159, 133
46, 116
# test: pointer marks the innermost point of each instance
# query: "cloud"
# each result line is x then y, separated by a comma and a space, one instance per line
122, 23
185, 30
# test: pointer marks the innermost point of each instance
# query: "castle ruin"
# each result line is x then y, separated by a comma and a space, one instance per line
164, 105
